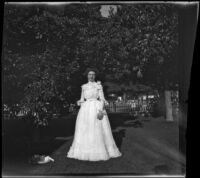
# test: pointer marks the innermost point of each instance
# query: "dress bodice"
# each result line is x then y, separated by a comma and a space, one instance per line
91, 90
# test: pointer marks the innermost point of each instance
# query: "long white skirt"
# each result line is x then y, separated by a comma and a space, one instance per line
93, 140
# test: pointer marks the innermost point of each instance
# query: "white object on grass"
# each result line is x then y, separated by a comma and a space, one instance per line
46, 160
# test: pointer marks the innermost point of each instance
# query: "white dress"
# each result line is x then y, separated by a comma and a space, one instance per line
93, 140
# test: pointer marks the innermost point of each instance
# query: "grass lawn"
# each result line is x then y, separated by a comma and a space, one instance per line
148, 147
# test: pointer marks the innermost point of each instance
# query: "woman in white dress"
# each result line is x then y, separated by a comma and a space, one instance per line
93, 139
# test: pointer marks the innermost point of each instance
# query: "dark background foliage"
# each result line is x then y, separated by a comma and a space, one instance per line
47, 48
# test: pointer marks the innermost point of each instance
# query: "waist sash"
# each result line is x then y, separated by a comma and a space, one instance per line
92, 99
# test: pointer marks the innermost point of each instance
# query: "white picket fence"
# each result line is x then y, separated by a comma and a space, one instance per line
120, 107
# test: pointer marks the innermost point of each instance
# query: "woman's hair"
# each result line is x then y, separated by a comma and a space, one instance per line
89, 69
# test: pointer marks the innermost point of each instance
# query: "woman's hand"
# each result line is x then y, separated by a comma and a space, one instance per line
106, 103
100, 114
79, 102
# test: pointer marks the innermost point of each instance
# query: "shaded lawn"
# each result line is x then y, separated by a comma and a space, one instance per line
151, 148
17, 136
147, 147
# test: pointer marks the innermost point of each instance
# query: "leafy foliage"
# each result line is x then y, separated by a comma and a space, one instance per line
46, 49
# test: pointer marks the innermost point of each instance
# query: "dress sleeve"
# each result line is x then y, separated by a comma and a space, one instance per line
82, 96
101, 96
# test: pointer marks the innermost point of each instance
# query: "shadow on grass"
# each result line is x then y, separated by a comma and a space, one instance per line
118, 137
134, 123
117, 119
17, 139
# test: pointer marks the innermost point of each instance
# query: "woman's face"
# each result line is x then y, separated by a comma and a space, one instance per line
91, 76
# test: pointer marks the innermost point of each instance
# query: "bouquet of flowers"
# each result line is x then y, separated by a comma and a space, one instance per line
101, 114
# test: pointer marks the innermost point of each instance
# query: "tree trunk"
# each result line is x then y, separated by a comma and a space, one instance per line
167, 94
168, 106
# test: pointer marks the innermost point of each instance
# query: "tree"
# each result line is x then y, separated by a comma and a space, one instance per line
41, 55
52, 46
143, 39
